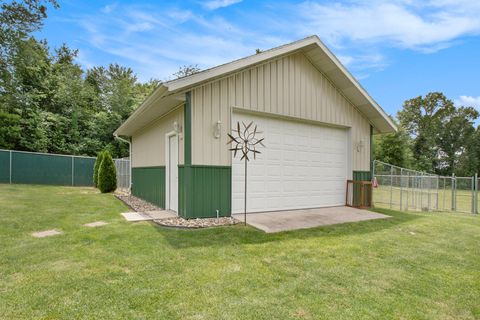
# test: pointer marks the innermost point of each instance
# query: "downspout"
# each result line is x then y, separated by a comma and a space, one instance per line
129, 156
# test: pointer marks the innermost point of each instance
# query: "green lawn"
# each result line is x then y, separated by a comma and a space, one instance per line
412, 266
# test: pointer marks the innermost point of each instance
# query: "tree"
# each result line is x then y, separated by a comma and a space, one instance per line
393, 148
454, 137
422, 118
185, 71
96, 167
17, 21
469, 160
107, 174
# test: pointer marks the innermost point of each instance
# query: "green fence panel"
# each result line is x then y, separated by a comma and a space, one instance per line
149, 184
4, 166
34, 168
83, 171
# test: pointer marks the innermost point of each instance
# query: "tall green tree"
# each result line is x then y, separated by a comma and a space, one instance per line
455, 136
422, 118
394, 148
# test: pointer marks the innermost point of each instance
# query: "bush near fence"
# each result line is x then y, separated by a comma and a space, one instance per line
54, 169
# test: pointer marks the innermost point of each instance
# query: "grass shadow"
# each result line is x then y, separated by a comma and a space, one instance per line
241, 235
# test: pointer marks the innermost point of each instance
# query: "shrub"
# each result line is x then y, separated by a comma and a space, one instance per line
107, 174
96, 167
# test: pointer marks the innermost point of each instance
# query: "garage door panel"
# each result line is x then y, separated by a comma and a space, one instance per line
302, 166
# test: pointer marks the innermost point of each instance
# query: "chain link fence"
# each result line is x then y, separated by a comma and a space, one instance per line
404, 189
123, 173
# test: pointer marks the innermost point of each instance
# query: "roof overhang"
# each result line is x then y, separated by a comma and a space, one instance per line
168, 94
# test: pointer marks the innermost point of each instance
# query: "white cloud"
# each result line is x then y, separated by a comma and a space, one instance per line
361, 32
215, 4
468, 101
406, 24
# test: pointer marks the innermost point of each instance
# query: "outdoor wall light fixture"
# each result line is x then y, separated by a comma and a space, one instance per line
217, 129
360, 145
177, 127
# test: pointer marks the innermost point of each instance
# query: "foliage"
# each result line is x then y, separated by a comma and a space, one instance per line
440, 137
394, 148
107, 174
185, 71
454, 139
47, 102
96, 167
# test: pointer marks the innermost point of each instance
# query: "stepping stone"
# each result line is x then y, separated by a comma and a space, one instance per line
148, 215
46, 233
95, 224
136, 216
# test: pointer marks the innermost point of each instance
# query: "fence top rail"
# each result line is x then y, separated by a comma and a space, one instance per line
403, 169
407, 176
48, 154
60, 155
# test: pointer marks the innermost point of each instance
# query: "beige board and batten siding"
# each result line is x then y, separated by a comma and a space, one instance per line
148, 144
288, 86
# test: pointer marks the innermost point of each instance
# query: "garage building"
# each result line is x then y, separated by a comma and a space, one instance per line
316, 119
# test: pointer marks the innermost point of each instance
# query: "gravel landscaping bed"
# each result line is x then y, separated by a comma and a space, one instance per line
140, 205
137, 204
178, 222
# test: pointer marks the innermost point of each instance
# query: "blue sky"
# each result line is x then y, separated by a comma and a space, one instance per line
397, 49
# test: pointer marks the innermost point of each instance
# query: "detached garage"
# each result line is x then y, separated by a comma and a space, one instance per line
316, 119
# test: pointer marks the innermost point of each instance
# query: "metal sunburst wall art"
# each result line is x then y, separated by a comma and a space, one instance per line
245, 142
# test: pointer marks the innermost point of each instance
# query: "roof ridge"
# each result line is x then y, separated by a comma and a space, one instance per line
240, 59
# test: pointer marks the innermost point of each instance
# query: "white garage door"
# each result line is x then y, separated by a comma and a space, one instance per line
302, 166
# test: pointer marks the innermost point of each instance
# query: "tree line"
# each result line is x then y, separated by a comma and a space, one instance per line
434, 136
48, 103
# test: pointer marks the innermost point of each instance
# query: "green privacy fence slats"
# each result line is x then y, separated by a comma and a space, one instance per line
83, 171
4, 166
203, 190
42, 168
149, 184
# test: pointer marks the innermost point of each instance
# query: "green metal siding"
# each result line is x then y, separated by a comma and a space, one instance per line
34, 168
362, 176
4, 166
83, 171
148, 183
203, 190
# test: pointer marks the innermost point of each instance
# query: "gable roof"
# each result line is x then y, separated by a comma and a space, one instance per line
314, 49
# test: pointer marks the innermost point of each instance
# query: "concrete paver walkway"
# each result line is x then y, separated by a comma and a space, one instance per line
277, 221
148, 215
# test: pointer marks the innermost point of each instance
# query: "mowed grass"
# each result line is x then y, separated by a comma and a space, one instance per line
411, 266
